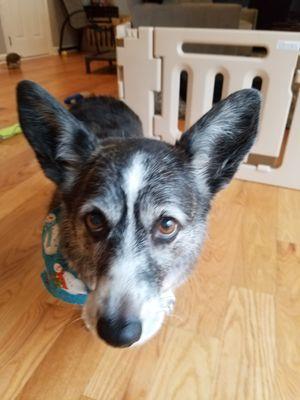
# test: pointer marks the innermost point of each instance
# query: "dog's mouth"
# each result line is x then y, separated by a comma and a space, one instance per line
133, 331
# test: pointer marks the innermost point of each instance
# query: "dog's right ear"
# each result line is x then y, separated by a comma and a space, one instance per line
60, 141
219, 141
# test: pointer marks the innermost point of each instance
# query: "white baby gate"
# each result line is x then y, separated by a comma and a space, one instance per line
151, 59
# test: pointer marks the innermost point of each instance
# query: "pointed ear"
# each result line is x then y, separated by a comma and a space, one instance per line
60, 141
219, 141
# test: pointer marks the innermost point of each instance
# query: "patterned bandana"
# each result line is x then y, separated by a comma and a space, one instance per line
58, 277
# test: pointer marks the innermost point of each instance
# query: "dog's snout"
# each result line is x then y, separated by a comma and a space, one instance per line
119, 332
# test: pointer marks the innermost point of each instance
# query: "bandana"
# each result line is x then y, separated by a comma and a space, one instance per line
58, 277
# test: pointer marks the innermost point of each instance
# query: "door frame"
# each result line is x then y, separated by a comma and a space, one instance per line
48, 32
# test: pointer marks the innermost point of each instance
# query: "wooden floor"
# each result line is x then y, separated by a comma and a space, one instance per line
235, 333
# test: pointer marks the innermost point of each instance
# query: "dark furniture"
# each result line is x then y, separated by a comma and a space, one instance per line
271, 12
97, 22
76, 19
101, 34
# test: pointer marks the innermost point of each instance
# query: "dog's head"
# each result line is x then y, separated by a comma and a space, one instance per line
134, 209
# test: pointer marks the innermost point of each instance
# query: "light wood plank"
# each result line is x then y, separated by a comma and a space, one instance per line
28, 342
186, 369
70, 362
256, 268
289, 216
246, 365
288, 320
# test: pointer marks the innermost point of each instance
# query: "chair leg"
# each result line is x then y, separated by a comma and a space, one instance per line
88, 66
61, 36
80, 38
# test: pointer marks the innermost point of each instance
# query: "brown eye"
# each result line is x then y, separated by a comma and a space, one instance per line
167, 226
95, 221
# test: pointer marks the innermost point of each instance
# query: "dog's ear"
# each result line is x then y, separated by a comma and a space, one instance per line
60, 141
220, 140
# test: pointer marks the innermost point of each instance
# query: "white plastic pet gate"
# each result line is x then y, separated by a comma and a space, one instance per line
151, 60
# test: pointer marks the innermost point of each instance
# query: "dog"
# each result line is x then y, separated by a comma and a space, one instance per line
134, 210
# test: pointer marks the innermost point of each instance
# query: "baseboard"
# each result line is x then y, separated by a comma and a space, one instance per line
53, 51
66, 45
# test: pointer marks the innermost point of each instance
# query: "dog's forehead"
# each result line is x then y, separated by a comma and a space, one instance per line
130, 163
148, 175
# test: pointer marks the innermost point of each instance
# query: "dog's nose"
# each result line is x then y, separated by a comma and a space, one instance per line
120, 332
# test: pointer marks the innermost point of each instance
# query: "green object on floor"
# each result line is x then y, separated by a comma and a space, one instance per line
10, 131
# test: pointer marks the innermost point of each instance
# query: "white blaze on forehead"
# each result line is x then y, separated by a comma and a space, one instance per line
133, 179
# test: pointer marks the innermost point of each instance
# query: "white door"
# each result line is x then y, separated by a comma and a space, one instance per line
26, 26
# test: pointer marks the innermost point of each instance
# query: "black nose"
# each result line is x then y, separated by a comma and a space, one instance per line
119, 332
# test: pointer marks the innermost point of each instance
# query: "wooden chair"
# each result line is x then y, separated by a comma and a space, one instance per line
76, 19
101, 34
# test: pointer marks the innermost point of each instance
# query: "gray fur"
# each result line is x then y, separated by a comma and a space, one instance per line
106, 166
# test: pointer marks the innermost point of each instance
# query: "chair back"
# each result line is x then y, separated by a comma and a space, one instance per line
75, 11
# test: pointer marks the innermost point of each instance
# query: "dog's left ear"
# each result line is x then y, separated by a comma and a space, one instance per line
60, 141
219, 141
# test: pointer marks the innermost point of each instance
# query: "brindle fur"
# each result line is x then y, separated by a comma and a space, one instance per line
99, 159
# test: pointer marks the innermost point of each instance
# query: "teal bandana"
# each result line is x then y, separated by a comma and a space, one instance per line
58, 277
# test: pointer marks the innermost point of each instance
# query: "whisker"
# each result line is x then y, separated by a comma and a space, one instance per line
176, 316
72, 321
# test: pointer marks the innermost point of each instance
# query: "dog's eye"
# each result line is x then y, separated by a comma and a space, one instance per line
166, 228
96, 222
